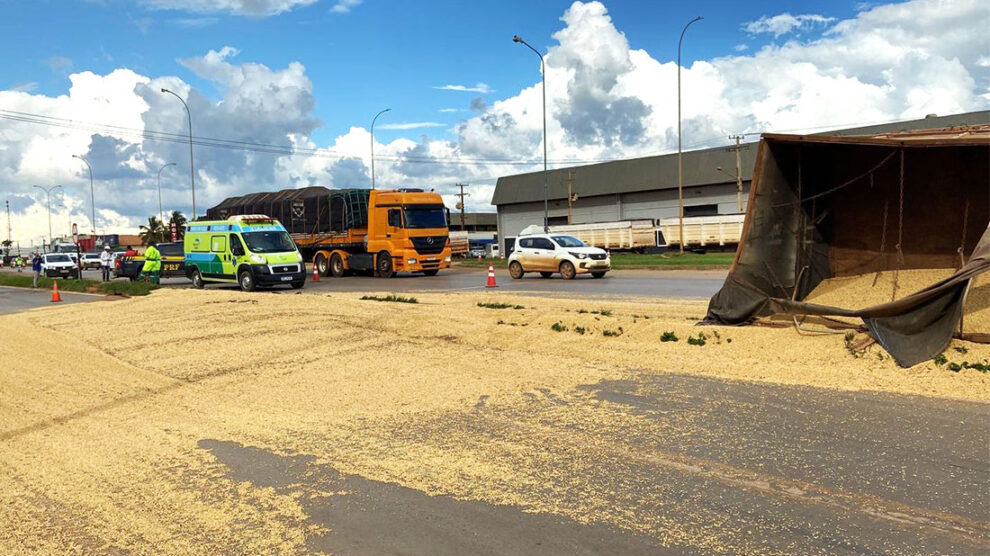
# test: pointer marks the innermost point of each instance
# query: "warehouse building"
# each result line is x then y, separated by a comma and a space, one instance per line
473, 221
646, 188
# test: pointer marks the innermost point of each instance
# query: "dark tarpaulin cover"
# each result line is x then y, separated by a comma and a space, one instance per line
801, 229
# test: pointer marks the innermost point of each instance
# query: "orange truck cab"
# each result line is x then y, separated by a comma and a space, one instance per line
381, 232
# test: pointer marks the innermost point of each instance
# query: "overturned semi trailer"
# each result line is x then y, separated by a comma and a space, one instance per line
831, 206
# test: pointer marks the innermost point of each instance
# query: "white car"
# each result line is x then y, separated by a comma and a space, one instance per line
59, 265
557, 253
91, 260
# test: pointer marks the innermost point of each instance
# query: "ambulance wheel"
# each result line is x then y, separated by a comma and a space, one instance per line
321, 265
431, 272
197, 279
246, 281
336, 265
383, 265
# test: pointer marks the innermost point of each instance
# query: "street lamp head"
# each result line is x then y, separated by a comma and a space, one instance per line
516, 38
164, 90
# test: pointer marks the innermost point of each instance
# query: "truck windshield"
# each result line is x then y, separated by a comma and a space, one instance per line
268, 242
425, 216
568, 241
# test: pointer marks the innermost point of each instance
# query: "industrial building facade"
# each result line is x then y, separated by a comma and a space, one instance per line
646, 188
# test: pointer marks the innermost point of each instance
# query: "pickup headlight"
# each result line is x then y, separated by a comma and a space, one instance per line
258, 259
578, 255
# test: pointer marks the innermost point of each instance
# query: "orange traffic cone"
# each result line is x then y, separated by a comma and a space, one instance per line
491, 277
316, 274
479, 258
56, 297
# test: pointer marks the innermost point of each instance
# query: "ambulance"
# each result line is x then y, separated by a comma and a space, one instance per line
249, 250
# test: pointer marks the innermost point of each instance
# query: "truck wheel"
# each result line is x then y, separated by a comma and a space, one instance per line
246, 281
546, 274
321, 265
516, 270
431, 272
197, 279
336, 265
383, 264
567, 271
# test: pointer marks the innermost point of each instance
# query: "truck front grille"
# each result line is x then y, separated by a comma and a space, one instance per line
429, 245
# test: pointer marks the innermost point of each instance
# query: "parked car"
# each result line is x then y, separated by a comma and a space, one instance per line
554, 253
173, 262
59, 265
90, 260
476, 252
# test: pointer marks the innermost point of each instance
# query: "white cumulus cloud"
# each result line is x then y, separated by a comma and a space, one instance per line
478, 88
785, 23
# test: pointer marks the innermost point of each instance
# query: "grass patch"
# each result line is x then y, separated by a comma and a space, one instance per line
114, 287
602, 312
558, 327
672, 260
668, 337
500, 306
580, 330
390, 298
612, 333
701, 340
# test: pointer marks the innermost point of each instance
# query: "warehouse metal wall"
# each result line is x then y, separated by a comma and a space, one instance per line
655, 204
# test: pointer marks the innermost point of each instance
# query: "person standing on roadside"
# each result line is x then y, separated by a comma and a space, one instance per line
106, 258
152, 264
36, 268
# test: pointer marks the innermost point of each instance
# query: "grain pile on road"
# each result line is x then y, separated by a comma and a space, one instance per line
866, 290
104, 450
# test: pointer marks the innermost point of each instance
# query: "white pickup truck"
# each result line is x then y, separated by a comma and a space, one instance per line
59, 265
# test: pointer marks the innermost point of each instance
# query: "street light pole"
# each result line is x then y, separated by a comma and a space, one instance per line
373, 145
161, 214
192, 171
546, 182
92, 193
680, 183
48, 205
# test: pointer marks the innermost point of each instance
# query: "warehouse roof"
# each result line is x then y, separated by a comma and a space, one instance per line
474, 218
660, 172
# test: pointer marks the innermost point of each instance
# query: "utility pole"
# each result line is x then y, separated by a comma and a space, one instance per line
570, 193
738, 150
460, 203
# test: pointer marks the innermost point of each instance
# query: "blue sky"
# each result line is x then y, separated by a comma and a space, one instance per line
382, 53
308, 77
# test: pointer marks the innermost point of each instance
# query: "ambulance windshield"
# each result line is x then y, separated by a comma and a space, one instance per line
268, 242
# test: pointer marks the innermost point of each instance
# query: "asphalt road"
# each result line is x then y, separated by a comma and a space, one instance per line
13, 300
616, 284
625, 283
737, 467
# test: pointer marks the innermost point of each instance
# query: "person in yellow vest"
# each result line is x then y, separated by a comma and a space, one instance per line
152, 265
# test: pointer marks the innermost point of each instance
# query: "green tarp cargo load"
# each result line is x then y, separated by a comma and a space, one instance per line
823, 207
310, 210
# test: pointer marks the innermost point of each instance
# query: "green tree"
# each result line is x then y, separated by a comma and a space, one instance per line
180, 221
154, 232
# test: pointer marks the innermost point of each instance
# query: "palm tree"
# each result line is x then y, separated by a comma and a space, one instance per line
154, 232
180, 221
